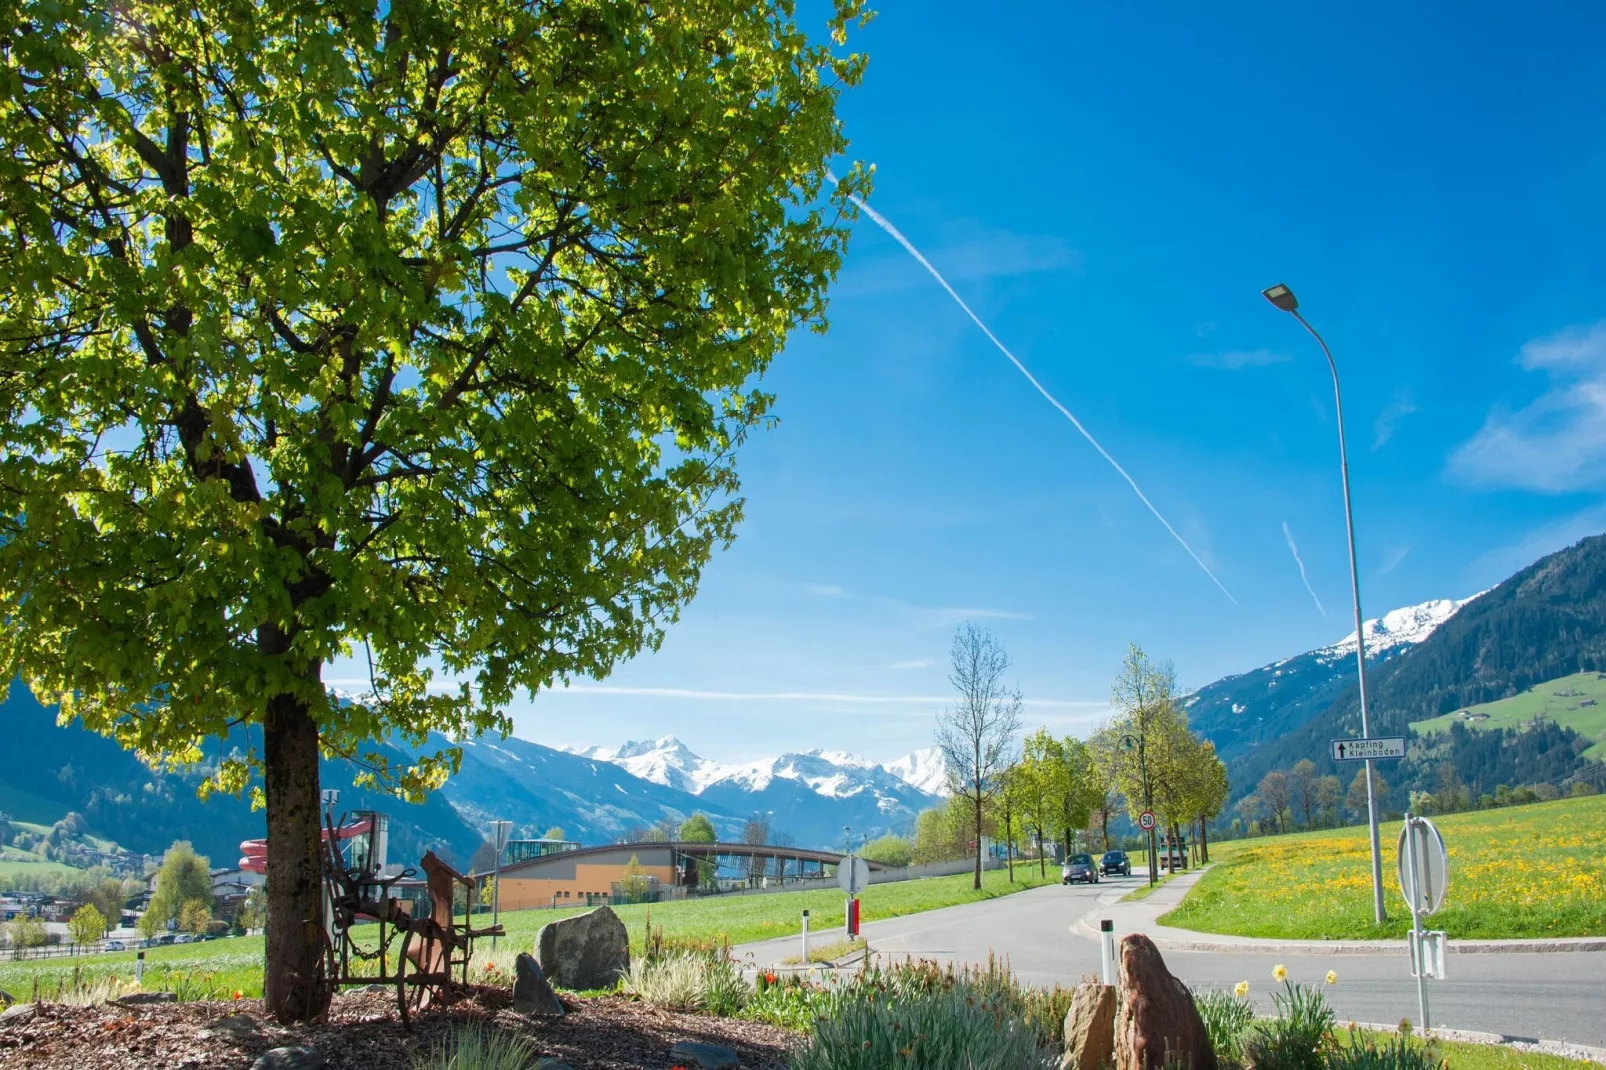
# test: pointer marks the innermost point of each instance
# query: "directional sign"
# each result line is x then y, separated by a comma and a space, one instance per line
853, 874
1358, 750
1146, 821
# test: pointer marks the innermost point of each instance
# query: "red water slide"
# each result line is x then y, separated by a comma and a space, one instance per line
254, 853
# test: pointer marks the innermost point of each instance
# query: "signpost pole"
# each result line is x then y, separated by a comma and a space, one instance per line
1416, 867
499, 833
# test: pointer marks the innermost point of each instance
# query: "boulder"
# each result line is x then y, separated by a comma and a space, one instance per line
531, 993
18, 1014
703, 1056
1090, 1028
290, 1058
546, 1062
138, 999
1157, 1021
235, 1026
590, 950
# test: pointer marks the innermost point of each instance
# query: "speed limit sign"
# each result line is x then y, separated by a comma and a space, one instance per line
1146, 821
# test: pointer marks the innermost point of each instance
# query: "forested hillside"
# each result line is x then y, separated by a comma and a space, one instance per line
1547, 621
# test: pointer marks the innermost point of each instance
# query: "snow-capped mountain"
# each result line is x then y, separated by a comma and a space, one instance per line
923, 768
1400, 627
808, 793
1239, 712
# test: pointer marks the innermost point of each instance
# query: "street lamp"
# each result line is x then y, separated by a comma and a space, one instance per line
1140, 743
1283, 299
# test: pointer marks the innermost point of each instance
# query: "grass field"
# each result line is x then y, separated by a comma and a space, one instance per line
1521, 871
1562, 700
17, 863
740, 919
224, 966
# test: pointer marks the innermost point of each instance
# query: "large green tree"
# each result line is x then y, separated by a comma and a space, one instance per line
416, 334
185, 877
696, 829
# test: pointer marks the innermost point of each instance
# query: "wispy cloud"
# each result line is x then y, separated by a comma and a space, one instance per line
1495, 565
917, 663
1238, 359
826, 590
948, 616
1557, 442
1388, 421
1392, 560
800, 696
1293, 548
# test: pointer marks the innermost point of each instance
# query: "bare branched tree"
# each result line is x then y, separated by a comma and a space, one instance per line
977, 735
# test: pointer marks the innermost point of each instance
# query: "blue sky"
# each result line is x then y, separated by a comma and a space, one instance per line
1110, 186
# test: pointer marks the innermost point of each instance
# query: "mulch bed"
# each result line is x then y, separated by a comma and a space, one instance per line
362, 1031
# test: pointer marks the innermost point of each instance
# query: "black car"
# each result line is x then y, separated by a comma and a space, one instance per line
1116, 862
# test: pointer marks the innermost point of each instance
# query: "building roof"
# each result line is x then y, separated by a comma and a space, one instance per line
690, 850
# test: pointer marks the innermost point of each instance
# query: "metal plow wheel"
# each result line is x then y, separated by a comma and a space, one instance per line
423, 973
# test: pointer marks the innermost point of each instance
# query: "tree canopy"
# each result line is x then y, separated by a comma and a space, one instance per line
696, 829
185, 877
418, 335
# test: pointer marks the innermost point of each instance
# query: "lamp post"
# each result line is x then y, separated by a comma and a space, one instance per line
1283, 299
1141, 743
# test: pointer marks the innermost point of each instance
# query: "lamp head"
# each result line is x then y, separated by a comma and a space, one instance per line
1281, 296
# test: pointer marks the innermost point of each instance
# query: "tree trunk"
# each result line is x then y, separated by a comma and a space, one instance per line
976, 878
1204, 844
1009, 838
294, 986
1104, 825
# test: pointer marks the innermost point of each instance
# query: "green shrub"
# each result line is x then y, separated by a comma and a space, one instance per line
1298, 1037
475, 1047
1398, 1052
1227, 1019
874, 1027
670, 982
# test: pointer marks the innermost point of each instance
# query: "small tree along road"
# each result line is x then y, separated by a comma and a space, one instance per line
415, 333
977, 734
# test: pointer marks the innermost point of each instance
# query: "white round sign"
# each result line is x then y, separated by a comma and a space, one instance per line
853, 874
1422, 856
1146, 821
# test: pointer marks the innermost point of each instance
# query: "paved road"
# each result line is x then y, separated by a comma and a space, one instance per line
1553, 996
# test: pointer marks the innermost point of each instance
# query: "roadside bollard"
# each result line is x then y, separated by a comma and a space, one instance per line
805, 938
1107, 949
139, 967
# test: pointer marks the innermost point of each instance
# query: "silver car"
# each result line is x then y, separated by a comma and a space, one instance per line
1079, 868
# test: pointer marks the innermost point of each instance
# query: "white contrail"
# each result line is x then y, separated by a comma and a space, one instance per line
897, 236
1289, 535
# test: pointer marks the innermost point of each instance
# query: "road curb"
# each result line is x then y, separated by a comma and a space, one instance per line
1253, 946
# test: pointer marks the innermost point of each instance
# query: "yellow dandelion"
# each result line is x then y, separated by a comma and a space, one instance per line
1332, 977
1279, 972
1241, 989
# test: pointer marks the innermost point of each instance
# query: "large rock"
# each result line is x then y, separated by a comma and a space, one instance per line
289, 1058
137, 999
1090, 1028
1157, 1017
590, 950
531, 993
704, 1056
18, 1014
